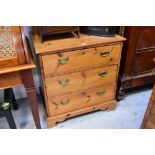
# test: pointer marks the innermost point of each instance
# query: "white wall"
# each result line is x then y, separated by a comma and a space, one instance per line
19, 91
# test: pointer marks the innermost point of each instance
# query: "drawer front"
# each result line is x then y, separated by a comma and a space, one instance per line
75, 101
9, 79
80, 80
145, 61
56, 64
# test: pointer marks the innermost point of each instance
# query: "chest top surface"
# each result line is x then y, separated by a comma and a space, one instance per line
56, 44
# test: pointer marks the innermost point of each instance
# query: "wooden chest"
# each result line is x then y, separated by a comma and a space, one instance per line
138, 58
79, 75
45, 31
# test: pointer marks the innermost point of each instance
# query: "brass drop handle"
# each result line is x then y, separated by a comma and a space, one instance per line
63, 61
64, 82
153, 60
100, 93
104, 53
103, 74
65, 102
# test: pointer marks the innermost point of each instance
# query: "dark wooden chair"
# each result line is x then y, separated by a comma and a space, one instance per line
5, 107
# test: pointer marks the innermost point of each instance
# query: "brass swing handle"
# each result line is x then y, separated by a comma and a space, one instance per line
105, 53
103, 74
64, 82
65, 102
100, 93
63, 61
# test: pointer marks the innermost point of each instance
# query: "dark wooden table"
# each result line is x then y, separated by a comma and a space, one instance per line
23, 77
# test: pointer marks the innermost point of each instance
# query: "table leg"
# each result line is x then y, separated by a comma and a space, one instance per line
27, 79
5, 111
10, 119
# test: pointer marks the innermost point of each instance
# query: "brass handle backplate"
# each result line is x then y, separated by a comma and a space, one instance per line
103, 74
65, 102
104, 53
63, 61
100, 93
64, 82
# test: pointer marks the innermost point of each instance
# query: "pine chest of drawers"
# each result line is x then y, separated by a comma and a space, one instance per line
79, 75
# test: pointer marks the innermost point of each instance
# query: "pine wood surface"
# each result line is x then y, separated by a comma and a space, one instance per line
80, 80
51, 121
79, 75
79, 100
80, 59
56, 44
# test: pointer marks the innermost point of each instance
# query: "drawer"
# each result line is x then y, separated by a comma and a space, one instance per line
75, 101
80, 80
145, 61
56, 64
9, 79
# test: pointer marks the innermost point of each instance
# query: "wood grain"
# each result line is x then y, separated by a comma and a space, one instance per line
80, 80
149, 117
137, 62
46, 31
51, 121
71, 43
144, 61
80, 59
146, 38
78, 75
79, 100
9, 80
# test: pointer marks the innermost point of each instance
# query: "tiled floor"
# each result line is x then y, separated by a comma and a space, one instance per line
128, 115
